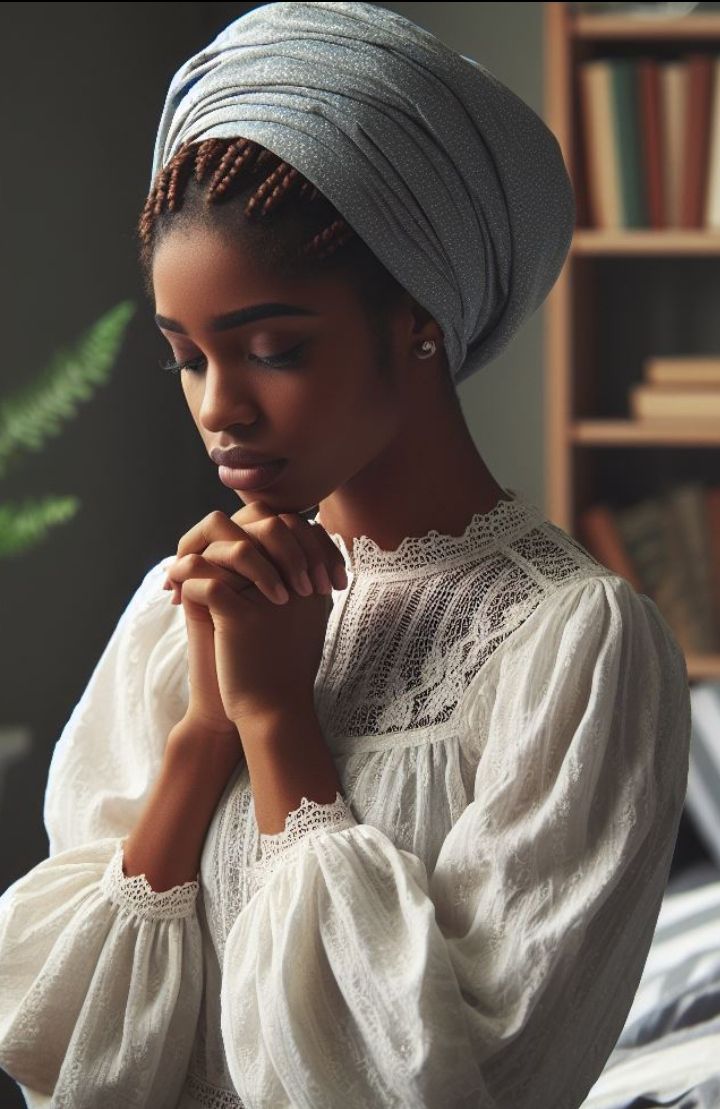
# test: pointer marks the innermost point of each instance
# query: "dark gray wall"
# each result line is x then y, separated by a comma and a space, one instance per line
82, 90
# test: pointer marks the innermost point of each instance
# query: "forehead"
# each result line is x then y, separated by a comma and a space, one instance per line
203, 283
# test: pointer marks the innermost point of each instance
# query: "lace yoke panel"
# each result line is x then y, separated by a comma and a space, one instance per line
415, 625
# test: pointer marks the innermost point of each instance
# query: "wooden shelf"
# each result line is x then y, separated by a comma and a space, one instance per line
703, 667
581, 344
628, 28
634, 433
645, 242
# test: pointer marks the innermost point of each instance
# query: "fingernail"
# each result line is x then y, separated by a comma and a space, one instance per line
281, 594
340, 577
323, 581
167, 585
306, 586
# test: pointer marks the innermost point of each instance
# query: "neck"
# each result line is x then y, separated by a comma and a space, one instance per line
430, 477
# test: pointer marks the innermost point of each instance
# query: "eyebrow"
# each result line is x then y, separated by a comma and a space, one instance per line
241, 316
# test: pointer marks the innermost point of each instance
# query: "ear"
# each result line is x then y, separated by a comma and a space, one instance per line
424, 325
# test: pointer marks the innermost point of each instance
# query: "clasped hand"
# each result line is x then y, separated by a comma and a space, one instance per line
249, 654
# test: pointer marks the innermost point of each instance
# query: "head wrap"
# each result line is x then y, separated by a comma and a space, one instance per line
453, 181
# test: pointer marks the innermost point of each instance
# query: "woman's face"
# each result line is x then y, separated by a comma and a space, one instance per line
305, 385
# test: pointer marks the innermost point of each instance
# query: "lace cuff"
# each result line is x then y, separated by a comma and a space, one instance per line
135, 892
310, 819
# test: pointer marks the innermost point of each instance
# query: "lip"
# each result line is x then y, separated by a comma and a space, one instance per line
236, 458
251, 477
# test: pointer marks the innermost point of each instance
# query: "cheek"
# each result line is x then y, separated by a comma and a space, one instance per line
193, 394
187, 390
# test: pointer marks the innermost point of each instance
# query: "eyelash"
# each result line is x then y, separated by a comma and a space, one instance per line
287, 358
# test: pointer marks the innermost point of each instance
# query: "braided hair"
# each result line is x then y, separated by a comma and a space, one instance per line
308, 235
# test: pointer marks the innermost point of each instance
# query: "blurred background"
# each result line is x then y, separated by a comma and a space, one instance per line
82, 90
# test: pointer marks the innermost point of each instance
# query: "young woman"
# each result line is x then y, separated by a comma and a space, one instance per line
381, 811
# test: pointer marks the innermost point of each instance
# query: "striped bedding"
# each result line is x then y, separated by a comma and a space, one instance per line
669, 1050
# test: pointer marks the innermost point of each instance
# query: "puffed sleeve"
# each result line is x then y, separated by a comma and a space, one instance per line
100, 974
500, 979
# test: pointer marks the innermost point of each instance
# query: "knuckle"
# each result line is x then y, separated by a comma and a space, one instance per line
215, 589
272, 524
251, 513
236, 560
313, 564
240, 545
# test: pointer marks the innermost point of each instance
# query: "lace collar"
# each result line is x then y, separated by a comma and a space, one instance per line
434, 550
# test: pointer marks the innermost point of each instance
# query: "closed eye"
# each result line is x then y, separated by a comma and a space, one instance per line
286, 358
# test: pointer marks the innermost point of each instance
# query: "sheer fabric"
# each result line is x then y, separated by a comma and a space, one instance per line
464, 925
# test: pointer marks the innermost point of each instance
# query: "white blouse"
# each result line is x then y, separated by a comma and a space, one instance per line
464, 926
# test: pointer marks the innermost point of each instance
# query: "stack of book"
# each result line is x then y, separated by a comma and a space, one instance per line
686, 387
668, 547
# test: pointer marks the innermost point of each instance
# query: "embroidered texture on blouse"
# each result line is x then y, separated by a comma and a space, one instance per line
210, 1096
134, 892
434, 549
310, 819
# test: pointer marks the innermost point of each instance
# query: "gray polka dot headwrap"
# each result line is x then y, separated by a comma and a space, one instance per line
456, 185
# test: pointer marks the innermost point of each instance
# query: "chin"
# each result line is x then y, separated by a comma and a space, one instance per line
265, 497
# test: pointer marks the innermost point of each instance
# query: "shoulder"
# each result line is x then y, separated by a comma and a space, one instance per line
593, 629
598, 607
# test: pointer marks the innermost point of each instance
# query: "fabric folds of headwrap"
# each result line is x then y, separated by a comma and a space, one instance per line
451, 179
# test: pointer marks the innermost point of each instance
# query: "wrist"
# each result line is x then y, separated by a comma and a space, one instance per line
276, 721
192, 735
198, 728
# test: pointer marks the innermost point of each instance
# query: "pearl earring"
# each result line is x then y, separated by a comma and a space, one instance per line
427, 349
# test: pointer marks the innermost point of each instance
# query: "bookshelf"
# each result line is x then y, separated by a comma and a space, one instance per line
629, 295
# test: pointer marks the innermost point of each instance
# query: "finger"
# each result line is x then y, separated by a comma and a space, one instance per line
318, 540
324, 560
315, 552
312, 552
250, 559
252, 512
330, 553
217, 597
280, 539
216, 525
238, 573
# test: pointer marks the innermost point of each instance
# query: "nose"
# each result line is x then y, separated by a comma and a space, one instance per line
227, 398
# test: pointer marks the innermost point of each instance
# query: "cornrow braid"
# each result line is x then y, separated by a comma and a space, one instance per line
230, 165
198, 186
